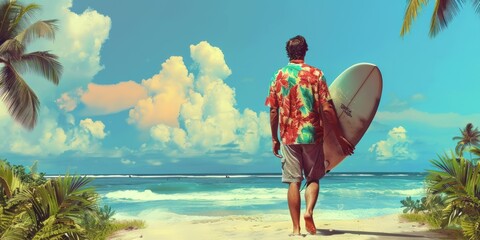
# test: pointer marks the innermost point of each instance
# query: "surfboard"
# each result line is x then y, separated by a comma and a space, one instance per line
355, 93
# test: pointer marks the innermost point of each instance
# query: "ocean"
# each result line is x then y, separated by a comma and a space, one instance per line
192, 196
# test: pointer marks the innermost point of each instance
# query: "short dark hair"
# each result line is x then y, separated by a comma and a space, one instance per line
296, 47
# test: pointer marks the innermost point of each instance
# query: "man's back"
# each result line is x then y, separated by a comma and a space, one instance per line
299, 90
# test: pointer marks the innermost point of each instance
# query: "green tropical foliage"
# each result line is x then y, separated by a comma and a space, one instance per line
453, 189
443, 13
459, 180
470, 138
476, 151
16, 33
413, 206
32, 207
50, 210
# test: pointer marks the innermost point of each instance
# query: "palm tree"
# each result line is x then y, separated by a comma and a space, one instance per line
16, 33
459, 181
443, 13
470, 138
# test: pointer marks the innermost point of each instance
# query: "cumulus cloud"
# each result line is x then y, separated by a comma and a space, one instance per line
77, 44
96, 128
112, 98
211, 63
168, 90
49, 138
203, 115
66, 102
396, 146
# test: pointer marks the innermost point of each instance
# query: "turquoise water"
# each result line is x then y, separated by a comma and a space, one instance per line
342, 195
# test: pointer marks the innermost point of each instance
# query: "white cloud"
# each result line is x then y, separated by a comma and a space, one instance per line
396, 146
212, 65
66, 102
160, 133
399, 104
236, 161
77, 44
200, 117
95, 128
418, 97
154, 162
441, 120
127, 162
168, 91
48, 138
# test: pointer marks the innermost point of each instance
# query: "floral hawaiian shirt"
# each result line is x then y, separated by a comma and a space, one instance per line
299, 90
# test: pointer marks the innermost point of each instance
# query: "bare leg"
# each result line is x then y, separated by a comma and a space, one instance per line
311, 195
294, 205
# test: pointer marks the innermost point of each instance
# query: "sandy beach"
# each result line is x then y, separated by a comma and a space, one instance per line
278, 227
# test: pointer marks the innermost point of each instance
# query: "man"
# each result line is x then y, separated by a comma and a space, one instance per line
300, 101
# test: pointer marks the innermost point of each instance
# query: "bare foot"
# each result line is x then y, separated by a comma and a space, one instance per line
309, 224
296, 232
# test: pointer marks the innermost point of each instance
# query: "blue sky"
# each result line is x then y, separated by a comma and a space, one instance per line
179, 86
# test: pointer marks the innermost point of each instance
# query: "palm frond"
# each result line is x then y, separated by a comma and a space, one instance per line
9, 181
56, 230
443, 13
413, 8
21, 101
43, 63
459, 181
22, 17
471, 227
476, 151
56, 207
6, 14
40, 29
11, 49
15, 232
476, 5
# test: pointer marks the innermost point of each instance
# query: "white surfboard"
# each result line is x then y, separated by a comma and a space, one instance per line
356, 94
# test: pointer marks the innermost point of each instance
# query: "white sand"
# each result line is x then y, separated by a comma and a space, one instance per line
273, 227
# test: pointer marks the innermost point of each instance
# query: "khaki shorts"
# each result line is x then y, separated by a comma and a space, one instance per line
308, 158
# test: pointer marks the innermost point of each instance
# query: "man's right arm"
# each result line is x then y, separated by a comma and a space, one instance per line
274, 127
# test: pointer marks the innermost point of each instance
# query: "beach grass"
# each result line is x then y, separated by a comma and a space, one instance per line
431, 221
115, 226
452, 231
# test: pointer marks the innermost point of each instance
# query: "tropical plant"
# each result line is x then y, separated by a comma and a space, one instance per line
459, 181
52, 210
413, 206
32, 207
443, 13
30, 177
476, 152
470, 138
16, 33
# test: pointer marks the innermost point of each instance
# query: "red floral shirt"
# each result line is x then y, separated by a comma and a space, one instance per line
299, 90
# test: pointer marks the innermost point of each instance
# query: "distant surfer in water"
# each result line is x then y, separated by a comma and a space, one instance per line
300, 102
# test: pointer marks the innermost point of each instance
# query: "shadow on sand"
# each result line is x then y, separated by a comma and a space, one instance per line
416, 235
